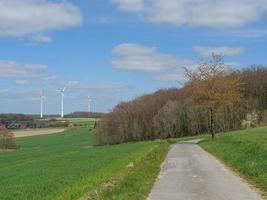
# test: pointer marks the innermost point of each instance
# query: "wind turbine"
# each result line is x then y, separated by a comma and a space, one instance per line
41, 99
62, 101
89, 103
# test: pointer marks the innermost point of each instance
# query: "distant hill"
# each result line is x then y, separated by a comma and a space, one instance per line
16, 117
5, 117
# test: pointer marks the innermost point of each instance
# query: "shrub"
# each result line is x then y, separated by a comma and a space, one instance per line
251, 120
7, 140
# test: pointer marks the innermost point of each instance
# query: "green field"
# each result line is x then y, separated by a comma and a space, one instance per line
79, 121
66, 166
244, 151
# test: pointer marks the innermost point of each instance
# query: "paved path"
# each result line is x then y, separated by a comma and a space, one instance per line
190, 173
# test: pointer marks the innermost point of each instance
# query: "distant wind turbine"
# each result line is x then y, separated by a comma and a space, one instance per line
41, 99
89, 103
62, 101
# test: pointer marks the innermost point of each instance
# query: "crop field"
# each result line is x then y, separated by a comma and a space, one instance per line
36, 131
244, 151
79, 121
66, 166
83, 121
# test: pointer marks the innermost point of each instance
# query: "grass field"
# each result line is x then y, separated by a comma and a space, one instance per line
244, 151
80, 121
65, 166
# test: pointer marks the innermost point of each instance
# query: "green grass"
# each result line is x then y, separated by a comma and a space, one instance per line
82, 121
244, 151
65, 166
138, 178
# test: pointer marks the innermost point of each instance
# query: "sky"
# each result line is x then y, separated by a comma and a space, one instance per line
115, 50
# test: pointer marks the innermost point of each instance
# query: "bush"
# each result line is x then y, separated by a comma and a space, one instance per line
7, 140
59, 124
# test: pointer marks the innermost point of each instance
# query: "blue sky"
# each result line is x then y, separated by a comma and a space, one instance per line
115, 50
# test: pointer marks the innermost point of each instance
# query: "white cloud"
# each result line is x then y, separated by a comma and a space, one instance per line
130, 5
21, 82
135, 57
246, 33
170, 77
227, 51
112, 86
9, 69
177, 74
40, 38
204, 13
26, 17
3, 90
49, 78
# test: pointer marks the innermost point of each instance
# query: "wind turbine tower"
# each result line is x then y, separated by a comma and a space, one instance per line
42, 101
89, 103
62, 101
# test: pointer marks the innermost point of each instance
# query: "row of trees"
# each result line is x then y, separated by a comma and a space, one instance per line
213, 100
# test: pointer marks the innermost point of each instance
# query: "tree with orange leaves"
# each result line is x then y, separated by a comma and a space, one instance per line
212, 88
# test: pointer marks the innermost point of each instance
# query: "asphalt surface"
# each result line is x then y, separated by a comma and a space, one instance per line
190, 173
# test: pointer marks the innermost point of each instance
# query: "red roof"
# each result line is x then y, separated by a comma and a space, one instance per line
2, 126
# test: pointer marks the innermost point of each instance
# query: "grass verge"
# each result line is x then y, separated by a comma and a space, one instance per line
244, 151
136, 180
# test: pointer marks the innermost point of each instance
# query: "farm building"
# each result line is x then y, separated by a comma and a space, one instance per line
16, 125
2, 126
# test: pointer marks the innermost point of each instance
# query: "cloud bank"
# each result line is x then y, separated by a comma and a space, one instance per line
20, 18
135, 57
197, 13
226, 51
13, 69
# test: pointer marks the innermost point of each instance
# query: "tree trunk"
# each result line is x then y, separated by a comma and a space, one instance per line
212, 123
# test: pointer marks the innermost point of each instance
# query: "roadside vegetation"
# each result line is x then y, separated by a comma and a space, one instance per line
7, 140
244, 151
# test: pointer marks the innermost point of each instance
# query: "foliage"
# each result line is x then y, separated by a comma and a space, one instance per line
7, 140
133, 121
213, 89
67, 166
16, 117
84, 115
58, 124
245, 151
174, 112
251, 120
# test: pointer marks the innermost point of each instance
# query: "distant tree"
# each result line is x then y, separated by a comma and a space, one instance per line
213, 88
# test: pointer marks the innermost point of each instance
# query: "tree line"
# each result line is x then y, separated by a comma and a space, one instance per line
214, 99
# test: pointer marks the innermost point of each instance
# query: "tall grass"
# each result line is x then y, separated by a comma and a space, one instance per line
245, 151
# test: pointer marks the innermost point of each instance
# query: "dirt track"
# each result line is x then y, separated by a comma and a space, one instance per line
35, 132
